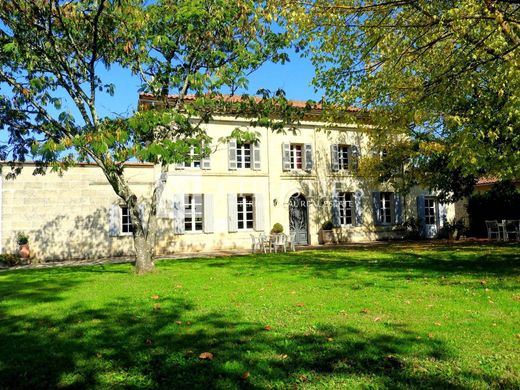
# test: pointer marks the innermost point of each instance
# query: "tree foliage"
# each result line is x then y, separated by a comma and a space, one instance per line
51, 56
445, 73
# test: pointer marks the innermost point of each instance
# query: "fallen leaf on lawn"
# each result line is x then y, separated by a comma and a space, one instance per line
430, 335
246, 375
300, 304
408, 302
98, 355
157, 306
267, 327
490, 301
285, 356
178, 286
418, 337
148, 342
483, 282
438, 323
293, 292
365, 311
516, 297
155, 296
188, 322
330, 339
206, 356
377, 319
178, 322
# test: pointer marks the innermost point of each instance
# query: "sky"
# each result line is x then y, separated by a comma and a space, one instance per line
293, 77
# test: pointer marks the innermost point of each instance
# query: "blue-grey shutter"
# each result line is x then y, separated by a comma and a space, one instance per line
259, 215
355, 155
376, 205
208, 213
256, 155
232, 155
232, 213
286, 156
420, 214
358, 207
114, 224
334, 160
336, 222
398, 209
308, 157
178, 213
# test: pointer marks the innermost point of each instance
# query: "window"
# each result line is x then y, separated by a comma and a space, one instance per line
193, 160
343, 156
346, 208
243, 155
126, 220
193, 213
245, 219
296, 156
429, 211
385, 207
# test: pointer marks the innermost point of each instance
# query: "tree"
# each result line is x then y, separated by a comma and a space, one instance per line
51, 53
444, 73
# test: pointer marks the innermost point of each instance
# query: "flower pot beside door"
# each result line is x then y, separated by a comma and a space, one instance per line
23, 245
326, 233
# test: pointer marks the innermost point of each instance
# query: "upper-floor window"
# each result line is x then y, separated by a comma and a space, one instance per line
192, 160
243, 155
346, 208
297, 156
344, 157
126, 220
245, 215
193, 213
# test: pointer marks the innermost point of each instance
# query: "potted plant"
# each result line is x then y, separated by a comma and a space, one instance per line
277, 228
22, 240
327, 233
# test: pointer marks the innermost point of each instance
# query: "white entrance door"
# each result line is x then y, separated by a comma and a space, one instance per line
430, 217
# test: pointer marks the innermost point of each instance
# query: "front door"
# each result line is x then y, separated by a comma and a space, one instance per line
298, 219
430, 217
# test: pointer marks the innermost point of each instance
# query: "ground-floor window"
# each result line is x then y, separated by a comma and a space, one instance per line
345, 208
193, 213
126, 220
385, 207
429, 211
245, 215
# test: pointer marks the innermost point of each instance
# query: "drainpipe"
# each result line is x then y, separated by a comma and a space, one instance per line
1, 213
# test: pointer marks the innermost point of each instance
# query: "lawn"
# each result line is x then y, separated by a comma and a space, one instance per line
395, 316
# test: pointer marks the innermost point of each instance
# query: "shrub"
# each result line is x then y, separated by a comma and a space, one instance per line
10, 259
327, 225
22, 238
277, 228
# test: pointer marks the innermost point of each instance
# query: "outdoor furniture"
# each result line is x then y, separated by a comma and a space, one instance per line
279, 241
510, 227
256, 243
493, 229
290, 243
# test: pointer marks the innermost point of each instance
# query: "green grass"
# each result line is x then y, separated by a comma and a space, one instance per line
396, 316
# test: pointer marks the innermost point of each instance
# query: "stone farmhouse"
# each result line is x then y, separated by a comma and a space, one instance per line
298, 180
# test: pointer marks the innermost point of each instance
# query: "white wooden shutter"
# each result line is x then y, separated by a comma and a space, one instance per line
334, 160
354, 157
308, 157
114, 224
398, 209
442, 213
259, 215
232, 155
286, 156
208, 213
178, 213
256, 155
376, 204
232, 213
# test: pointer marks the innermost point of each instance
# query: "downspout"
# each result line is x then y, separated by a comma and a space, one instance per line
1, 213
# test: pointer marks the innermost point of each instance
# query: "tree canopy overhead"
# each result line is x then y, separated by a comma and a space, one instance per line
447, 73
52, 53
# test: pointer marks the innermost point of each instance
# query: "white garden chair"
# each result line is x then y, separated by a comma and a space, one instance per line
493, 229
279, 241
290, 243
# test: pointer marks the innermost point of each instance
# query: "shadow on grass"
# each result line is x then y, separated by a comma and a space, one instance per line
393, 261
156, 344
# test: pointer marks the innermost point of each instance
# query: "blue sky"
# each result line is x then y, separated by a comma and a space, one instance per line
294, 78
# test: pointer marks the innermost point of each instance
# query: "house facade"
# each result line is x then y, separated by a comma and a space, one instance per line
299, 180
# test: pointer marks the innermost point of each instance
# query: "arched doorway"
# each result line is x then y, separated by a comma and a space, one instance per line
298, 219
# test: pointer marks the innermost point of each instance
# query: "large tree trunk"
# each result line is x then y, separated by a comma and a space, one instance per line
143, 255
